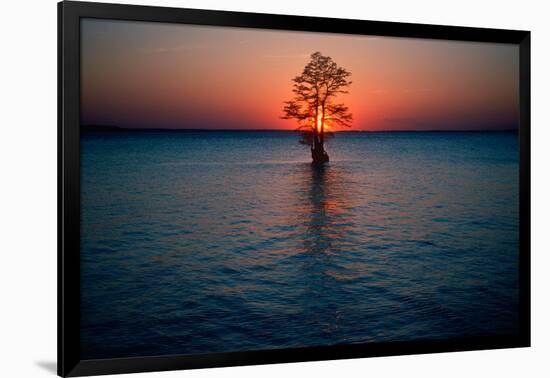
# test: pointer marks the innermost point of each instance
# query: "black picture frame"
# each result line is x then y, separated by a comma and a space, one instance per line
69, 14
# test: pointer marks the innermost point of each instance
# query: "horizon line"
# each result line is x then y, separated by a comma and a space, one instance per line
167, 129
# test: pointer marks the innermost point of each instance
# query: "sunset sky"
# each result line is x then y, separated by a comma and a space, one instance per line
154, 75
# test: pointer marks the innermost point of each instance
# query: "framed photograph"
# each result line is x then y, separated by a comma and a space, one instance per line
239, 188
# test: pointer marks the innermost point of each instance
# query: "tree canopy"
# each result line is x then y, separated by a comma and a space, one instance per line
315, 91
314, 104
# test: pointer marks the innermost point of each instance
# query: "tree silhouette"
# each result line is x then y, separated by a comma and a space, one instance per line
313, 105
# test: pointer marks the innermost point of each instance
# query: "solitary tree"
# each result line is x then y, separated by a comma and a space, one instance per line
313, 105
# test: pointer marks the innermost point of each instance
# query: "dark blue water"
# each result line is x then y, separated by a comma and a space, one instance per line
221, 241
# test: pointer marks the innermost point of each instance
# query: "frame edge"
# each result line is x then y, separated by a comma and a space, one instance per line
68, 191
525, 188
69, 363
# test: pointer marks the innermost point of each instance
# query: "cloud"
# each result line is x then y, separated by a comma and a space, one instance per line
406, 90
286, 56
401, 120
417, 90
160, 50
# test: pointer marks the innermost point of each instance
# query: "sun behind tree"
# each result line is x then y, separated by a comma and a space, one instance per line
313, 105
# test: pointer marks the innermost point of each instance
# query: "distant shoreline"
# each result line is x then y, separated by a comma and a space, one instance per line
116, 129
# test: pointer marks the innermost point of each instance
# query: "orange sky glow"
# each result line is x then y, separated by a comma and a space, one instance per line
154, 75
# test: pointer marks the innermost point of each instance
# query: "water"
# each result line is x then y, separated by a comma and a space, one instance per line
220, 241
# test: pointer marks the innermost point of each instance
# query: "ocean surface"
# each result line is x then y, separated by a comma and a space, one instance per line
202, 242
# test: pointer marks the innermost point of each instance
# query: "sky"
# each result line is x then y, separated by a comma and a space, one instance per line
157, 75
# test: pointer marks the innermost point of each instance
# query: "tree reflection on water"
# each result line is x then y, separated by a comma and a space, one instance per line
328, 212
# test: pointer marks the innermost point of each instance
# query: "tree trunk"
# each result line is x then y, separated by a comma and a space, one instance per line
318, 153
322, 133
